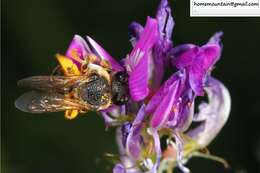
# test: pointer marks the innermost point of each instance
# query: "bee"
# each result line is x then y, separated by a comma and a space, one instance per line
94, 87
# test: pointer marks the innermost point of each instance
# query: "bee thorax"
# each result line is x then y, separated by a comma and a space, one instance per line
95, 92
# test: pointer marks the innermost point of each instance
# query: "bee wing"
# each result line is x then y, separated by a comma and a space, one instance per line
39, 102
61, 84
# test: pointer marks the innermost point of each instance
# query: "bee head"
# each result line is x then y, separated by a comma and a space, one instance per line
120, 91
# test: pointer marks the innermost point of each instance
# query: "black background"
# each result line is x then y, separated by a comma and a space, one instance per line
33, 31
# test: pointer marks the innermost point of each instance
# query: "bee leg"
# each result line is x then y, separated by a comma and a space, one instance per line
57, 71
92, 59
89, 59
83, 111
105, 64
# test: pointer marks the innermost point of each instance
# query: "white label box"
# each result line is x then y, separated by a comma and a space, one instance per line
225, 8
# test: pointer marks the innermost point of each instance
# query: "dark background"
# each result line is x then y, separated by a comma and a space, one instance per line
33, 31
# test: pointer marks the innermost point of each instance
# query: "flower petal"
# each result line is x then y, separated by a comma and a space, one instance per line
125, 130
147, 39
108, 120
138, 80
157, 147
104, 55
212, 54
135, 31
119, 168
183, 55
154, 101
215, 113
165, 20
133, 142
138, 60
158, 65
184, 116
68, 66
77, 50
196, 76
164, 108
202, 63
180, 145
158, 96
216, 38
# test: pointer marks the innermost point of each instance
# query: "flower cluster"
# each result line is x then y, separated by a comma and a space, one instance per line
162, 111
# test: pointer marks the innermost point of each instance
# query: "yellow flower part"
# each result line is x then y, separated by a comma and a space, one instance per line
69, 69
71, 114
67, 65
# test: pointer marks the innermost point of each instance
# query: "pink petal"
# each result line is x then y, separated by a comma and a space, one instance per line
216, 38
164, 108
165, 19
212, 54
133, 142
138, 60
202, 63
154, 101
184, 55
138, 80
196, 77
104, 55
147, 39
163, 90
77, 46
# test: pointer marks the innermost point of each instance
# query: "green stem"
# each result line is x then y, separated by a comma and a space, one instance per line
211, 157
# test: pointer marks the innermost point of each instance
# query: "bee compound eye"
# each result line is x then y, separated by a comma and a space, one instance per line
122, 76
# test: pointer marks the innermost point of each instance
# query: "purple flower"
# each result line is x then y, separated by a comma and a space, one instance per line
171, 105
197, 61
159, 107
